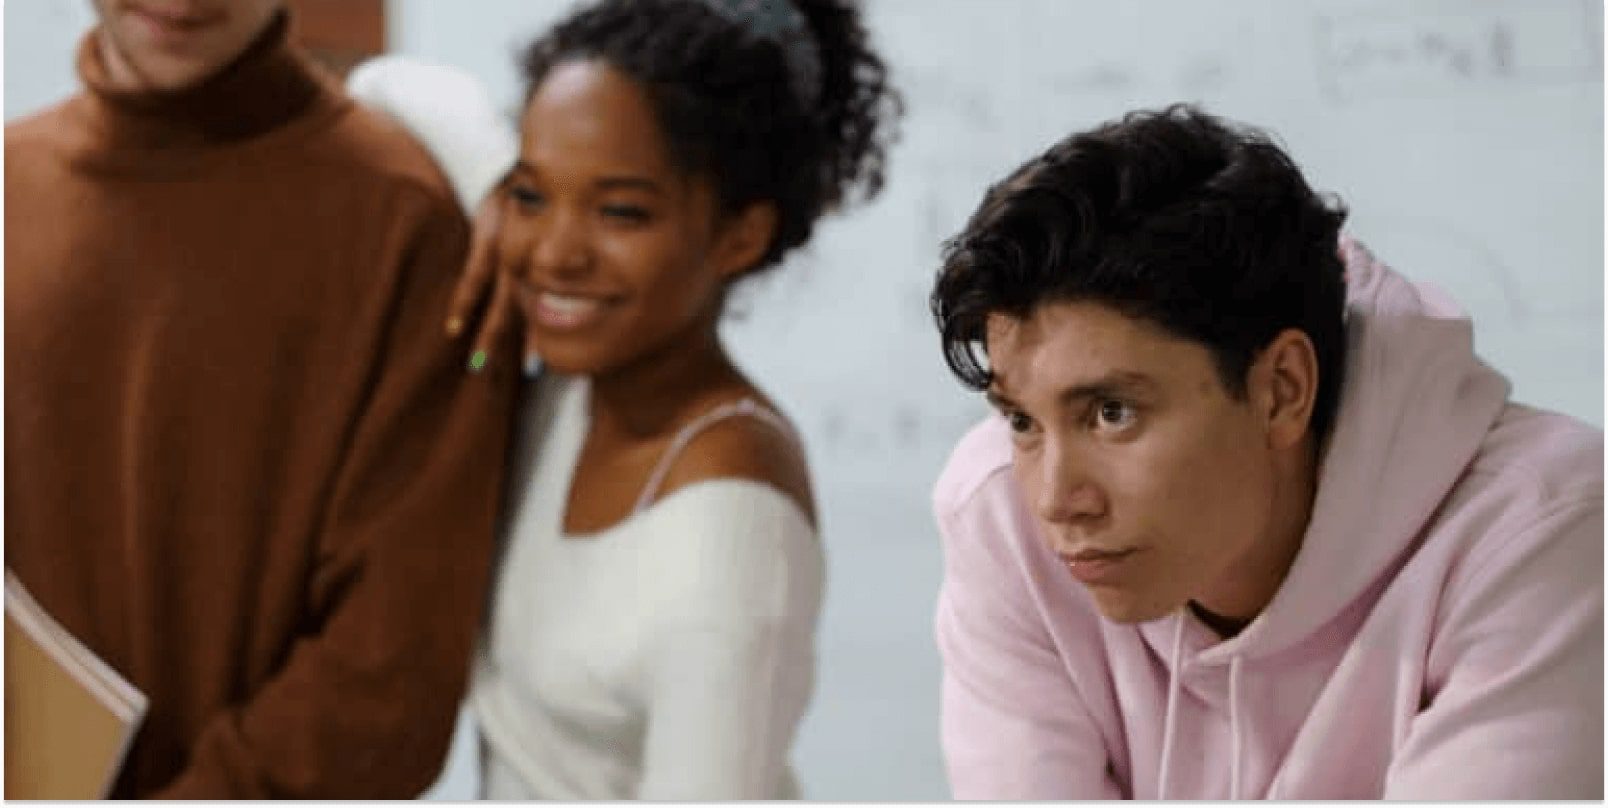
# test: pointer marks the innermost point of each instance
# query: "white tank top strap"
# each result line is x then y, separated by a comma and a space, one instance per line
742, 407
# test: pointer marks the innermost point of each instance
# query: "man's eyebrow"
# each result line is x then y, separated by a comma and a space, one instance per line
1112, 385
998, 400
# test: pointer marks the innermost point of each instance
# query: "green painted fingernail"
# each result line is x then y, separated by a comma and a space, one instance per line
477, 361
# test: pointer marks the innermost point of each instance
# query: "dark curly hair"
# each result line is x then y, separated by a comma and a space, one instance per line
728, 109
1202, 227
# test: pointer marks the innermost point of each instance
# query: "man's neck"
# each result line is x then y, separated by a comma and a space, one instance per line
1254, 580
1225, 627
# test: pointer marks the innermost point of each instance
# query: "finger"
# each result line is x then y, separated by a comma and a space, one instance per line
513, 254
525, 298
498, 314
479, 267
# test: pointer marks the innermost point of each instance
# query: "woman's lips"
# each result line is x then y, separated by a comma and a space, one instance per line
567, 311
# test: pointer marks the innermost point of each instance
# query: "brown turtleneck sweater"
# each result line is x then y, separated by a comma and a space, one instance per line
241, 461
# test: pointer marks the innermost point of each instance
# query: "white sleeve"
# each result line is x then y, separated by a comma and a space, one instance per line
731, 670
449, 112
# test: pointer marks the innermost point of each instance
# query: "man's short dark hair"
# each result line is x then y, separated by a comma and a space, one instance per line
1202, 227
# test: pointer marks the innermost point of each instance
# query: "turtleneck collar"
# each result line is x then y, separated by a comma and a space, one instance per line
268, 85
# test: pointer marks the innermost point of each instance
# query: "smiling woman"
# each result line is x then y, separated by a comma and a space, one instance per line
652, 633
627, 252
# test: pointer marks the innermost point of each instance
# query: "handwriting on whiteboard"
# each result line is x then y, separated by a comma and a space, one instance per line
1410, 49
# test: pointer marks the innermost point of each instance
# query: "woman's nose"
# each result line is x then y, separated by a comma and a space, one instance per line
562, 246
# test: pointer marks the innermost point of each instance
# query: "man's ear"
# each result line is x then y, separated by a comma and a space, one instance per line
1284, 386
743, 238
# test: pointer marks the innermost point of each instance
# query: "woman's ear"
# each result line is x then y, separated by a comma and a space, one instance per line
1285, 378
743, 238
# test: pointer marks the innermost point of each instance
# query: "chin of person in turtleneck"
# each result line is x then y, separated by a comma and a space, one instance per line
167, 45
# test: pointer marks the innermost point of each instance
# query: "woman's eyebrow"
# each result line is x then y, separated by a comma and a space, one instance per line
629, 183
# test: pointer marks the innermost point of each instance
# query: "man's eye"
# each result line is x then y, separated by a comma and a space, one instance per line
1115, 414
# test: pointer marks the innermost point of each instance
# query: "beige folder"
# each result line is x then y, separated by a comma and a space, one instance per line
69, 717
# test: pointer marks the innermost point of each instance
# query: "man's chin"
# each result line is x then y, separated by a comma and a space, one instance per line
1128, 608
177, 74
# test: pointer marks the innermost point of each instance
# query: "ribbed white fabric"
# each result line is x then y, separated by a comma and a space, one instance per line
669, 657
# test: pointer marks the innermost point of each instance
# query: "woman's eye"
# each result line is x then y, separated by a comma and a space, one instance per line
525, 197
1114, 414
1019, 422
626, 213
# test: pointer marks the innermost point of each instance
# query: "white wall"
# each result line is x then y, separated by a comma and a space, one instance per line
40, 36
1465, 135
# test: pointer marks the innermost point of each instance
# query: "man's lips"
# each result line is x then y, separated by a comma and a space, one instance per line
175, 17
1097, 566
1096, 554
170, 25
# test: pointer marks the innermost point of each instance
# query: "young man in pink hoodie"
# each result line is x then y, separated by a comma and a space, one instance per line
1253, 519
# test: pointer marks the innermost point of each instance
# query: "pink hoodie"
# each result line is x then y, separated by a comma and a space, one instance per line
1439, 635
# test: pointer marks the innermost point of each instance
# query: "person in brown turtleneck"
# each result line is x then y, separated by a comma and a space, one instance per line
240, 462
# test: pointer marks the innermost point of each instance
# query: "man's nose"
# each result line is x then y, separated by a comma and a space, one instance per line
1068, 491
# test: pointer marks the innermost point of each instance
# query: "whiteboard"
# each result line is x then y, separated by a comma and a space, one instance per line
1466, 137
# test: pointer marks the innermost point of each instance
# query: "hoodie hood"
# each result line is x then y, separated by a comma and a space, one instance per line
1415, 405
